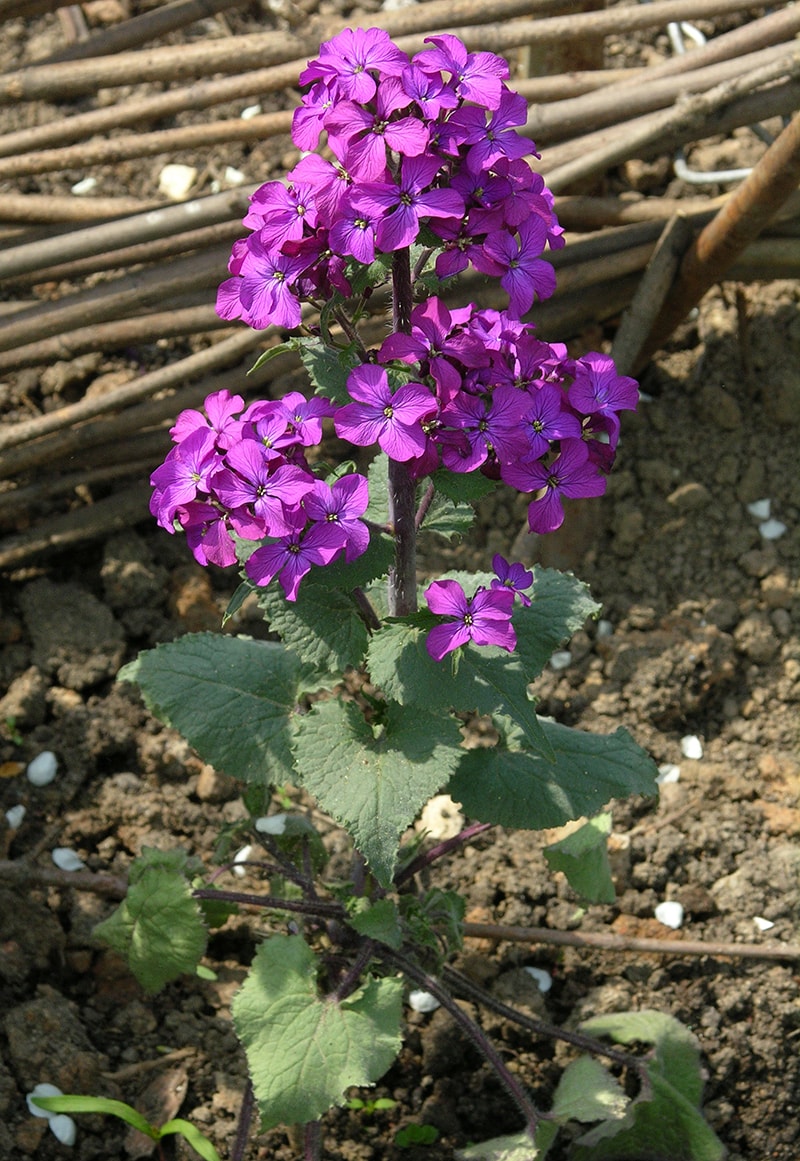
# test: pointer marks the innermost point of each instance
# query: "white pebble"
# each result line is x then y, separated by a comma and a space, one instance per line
762, 924
271, 824
772, 529
441, 817
692, 747
604, 628
42, 770
42, 1090
668, 773
175, 181
66, 860
544, 981
250, 112
421, 1001
561, 659
670, 914
83, 187
63, 1128
760, 509
234, 176
241, 857
14, 816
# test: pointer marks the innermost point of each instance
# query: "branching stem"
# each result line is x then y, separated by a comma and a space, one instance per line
314, 907
443, 848
475, 1033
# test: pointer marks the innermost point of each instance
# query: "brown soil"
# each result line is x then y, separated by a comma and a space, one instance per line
705, 642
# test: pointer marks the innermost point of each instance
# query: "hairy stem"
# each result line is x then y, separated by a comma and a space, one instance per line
475, 1033
312, 1141
272, 903
465, 987
402, 489
352, 977
424, 505
245, 1119
442, 848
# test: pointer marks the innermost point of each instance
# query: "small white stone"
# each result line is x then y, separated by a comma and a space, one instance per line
66, 859
760, 509
441, 817
42, 1090
561, 659
670, 914
668, 773
772, 529
42, 770
234, 176
14, 816
762, 924
421, 1001
83, 187
692, 747
175, 181
63, 1128
271, 824
544, 981
604, 628
250, 112
241, 857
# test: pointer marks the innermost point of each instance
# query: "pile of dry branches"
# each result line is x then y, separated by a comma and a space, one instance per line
115, 262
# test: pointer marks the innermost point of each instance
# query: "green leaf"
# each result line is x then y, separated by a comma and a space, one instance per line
481, 678
514, 1147
328, 367
238, 599
462, 487
435, 920
158, 927
378, 481
102, 1105
200, 1143
273, 352
512, 786
668, 1122
230, 697
588, 1092
304, 1051
448, 518
322, 627
379, 920
363, 277
560, 605
373, 781
583, 858
411, 1135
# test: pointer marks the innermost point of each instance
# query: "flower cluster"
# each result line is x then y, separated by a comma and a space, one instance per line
244, 476
424, 149
427, 142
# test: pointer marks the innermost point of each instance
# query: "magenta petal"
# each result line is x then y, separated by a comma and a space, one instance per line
446, 598
443, 639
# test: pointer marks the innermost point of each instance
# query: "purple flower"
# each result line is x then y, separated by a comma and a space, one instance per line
354, 232
598, 390
263, 293
514, 577
220, 410
348, 59
378, 416
546, 420
280, 213
571, 474
494, 428
208, 534
400, 207
526, 276
342, 505
184, 473
292, 556
360, 138
273, 496
497, 139
477, 76
484, 618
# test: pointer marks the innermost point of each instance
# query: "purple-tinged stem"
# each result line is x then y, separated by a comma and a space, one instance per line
312, 1141
425, 504
443, 848
474, 1032
245, 1119
402, 489
272, 903
352, 977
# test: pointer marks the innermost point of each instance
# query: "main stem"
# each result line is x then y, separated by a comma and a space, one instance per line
402, 489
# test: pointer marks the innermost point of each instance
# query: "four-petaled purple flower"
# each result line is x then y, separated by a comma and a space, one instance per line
514, 577
392, 420
484, 618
